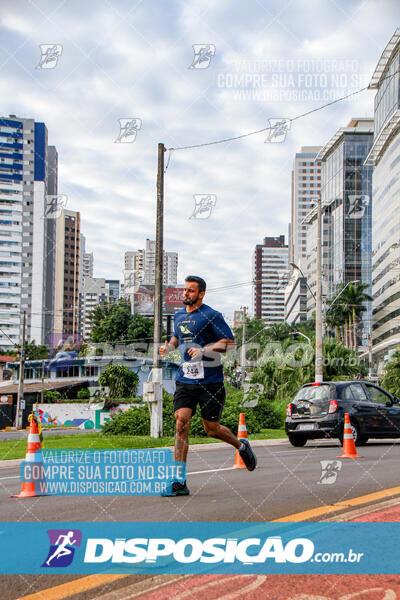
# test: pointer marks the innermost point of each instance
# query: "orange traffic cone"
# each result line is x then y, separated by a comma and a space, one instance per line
349, 447
34, 456
242, 433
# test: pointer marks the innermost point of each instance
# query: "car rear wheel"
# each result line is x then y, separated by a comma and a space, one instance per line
297, 440
359, 439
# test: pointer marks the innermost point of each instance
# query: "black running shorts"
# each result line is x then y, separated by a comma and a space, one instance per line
210, 397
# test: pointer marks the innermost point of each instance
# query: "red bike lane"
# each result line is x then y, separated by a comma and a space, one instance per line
283, 587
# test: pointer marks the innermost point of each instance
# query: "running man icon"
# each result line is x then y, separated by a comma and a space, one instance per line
62, 547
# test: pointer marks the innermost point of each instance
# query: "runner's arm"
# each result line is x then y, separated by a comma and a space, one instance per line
221, 346
169, 347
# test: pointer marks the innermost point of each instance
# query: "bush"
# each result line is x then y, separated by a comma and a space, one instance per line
270, 415
51, 397
83, 394
120, 380
135, 421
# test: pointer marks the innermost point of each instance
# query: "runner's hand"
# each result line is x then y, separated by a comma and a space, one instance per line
195, 352
163, 350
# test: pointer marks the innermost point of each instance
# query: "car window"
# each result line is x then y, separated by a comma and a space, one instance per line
313, 392
377, 395
347, 393
355, 391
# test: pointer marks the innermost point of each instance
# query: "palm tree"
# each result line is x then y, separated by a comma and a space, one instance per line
335, 319
391, 379
351, 306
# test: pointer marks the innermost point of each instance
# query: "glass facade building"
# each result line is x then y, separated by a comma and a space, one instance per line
346, 197
384, 157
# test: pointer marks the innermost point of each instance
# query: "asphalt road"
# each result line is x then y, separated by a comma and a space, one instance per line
286, 481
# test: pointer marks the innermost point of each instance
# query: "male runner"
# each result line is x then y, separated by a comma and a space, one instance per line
202, 335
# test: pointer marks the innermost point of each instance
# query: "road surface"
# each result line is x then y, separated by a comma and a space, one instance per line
285, 482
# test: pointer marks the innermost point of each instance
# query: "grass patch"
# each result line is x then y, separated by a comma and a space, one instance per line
10, 449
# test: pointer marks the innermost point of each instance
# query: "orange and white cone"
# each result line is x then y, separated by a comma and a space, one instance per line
349, 447
242, 433
33, 455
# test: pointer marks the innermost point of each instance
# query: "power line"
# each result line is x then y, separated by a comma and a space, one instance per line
244, 135
309, 112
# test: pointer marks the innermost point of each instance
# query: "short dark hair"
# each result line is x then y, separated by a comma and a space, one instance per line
199, 280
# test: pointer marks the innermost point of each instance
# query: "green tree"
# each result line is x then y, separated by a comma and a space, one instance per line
391, 379
115, 323
253, 328
121, 381
110, 322
140, 328
9, 352
35, 352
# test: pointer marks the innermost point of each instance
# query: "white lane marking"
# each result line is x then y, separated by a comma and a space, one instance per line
12, 477
210, 471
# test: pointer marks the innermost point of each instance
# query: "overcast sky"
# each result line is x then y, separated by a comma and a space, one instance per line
130, 60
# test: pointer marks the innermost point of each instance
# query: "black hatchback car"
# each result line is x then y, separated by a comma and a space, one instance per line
318, 409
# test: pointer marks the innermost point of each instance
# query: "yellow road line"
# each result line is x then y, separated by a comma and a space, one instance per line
87, 583
72, 587
329, 508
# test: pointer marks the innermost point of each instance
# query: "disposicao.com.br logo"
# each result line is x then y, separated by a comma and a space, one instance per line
247, 551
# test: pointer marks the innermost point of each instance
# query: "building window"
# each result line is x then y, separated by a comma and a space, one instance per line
90, 371
68, 371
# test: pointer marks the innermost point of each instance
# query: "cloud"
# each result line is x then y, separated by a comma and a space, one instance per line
122, 60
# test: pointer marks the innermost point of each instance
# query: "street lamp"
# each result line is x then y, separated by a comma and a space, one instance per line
340, 293
318, 298
302, 334
304, 277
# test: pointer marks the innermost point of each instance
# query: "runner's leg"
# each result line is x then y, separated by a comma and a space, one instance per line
182, 418
215, 429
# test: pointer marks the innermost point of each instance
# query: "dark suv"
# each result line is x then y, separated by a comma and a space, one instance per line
318, 409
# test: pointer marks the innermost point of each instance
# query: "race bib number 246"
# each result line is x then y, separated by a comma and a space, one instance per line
193, 370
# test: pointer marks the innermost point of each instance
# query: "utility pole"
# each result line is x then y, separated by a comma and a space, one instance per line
20, 398
156, 425
370, 356
243, 349
318, 301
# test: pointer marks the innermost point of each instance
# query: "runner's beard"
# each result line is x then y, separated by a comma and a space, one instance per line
189, 302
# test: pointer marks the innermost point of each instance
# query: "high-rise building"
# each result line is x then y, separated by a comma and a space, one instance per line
87, 264
94, 293
296, 298
346, 200
306, 185
112, 290
305, 188
140, 267
28, 184
68, 237
270, 273
384, 157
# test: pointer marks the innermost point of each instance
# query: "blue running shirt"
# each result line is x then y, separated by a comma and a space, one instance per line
197, 329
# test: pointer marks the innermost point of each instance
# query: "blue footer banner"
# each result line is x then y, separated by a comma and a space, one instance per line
200, 548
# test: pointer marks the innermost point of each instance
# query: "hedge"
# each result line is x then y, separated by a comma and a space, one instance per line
136, 421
